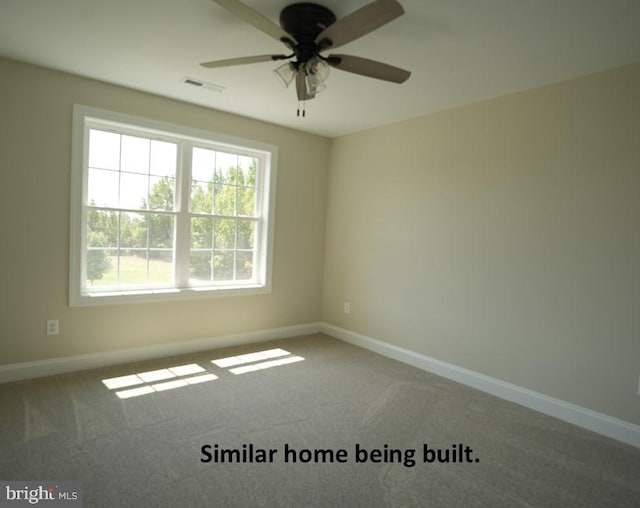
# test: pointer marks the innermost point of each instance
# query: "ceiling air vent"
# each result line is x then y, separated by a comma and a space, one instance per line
202, 84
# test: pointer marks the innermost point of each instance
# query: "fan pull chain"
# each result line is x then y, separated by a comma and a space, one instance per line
304, 109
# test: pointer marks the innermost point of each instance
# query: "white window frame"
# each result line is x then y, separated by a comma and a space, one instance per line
85, 118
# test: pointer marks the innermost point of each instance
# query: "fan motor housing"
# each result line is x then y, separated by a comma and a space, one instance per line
306, 20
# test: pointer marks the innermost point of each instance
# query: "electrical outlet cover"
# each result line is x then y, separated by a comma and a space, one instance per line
53, 327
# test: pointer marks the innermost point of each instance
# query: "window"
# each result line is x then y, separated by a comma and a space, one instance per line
161, 211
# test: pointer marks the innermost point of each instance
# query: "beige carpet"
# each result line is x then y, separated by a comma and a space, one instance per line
364, 431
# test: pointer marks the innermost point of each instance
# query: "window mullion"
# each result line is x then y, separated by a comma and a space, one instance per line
183, 195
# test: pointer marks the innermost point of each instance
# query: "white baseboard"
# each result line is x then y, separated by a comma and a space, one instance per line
42, 368
614, 428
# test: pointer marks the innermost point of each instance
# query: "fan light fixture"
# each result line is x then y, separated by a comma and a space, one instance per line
316, 72
286, 72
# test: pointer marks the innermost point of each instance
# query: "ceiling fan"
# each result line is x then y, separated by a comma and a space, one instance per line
308, 30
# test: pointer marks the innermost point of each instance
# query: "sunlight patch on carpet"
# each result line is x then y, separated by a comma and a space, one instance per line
265, 365
179, 376
259, 360
232, 361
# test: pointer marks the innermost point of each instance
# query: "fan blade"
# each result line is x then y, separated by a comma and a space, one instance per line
359, 23
243, 60
257, 20
369, 68
301, 86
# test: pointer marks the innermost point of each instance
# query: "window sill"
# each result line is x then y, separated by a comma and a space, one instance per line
164, 295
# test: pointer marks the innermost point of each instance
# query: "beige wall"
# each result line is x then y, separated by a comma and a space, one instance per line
503, 237
35, 148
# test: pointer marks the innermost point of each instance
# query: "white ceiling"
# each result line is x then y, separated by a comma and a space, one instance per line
459, 51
